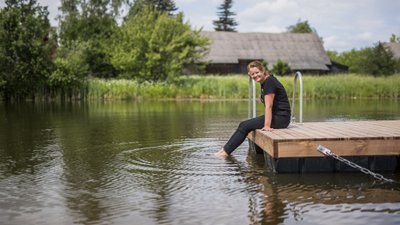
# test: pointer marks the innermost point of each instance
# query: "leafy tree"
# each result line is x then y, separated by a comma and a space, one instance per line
91, 23
225, 22
301, 27
333, 55
162, 6
26, 47
352, 59
154, 47
395, 39
69, 75
378, 60
281, 68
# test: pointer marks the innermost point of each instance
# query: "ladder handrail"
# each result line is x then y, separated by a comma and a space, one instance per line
297, 74
252, 98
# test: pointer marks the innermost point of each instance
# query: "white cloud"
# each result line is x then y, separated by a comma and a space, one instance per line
364, 36
180, 2
343, 24
264, 10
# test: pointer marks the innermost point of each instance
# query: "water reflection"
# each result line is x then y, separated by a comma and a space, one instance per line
153, 163
291, 198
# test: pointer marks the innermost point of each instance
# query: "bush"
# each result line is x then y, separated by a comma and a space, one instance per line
281, 68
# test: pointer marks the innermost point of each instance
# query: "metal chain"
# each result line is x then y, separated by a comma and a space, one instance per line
328, 152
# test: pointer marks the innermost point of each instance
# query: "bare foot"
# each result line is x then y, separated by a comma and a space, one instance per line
221, 154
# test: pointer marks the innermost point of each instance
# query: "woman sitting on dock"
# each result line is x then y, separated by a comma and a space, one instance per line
277, 109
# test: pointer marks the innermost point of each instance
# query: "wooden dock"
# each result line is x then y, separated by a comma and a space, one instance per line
352, 139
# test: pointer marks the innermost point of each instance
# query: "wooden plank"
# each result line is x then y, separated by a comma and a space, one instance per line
357, 131
354, 138
267, 144
379, 126
342, 148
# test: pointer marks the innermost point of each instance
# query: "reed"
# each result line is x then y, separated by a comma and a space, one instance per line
236, 87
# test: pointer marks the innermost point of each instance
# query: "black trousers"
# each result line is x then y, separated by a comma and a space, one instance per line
245, 127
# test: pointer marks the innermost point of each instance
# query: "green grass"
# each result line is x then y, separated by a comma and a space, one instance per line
236, 87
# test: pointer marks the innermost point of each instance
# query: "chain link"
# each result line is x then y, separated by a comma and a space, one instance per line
377, 176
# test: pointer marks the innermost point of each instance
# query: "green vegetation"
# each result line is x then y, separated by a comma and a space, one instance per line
351, 86
151, 44
281, 68
236, 87
394, 39
226, 21
25, 49
184, 87
377, 60
156, 46
301, 27
94, 53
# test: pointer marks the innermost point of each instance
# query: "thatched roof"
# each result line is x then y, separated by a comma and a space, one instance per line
395, 48
300, 51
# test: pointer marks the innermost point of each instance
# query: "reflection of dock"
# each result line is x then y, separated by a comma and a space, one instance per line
371, 144
329, 189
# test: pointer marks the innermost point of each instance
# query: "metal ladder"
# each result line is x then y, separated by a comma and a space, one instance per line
297, 75
252, 98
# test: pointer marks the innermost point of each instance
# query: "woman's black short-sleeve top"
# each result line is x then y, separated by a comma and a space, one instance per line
281, 104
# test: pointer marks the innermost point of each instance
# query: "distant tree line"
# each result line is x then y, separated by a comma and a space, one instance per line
377, 60
151, 43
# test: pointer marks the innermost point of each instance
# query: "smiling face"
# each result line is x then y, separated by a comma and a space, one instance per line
256, 74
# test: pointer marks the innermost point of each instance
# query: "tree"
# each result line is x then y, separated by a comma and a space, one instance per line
301, 27
333, 55
162, 6
394, 39
378, 60
225, 22
281, 68
91, 23
26, 47
155, 47
68, 78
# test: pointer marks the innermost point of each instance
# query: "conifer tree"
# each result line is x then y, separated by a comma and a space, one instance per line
225, 22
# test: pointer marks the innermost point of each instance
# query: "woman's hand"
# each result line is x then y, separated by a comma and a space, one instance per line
267, 129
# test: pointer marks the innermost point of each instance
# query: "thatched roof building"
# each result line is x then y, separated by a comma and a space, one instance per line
230, 52
395, 48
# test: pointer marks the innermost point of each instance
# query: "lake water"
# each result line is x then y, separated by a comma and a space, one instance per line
152, 163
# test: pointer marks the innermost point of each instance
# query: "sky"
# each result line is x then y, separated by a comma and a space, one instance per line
343, 24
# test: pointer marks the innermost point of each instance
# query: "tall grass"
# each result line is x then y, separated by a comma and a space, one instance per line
236, 86
233, 86
351, 86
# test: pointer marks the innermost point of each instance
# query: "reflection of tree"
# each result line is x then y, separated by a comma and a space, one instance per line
85, 146
27, 158
23, 137
92, 136
160, 185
